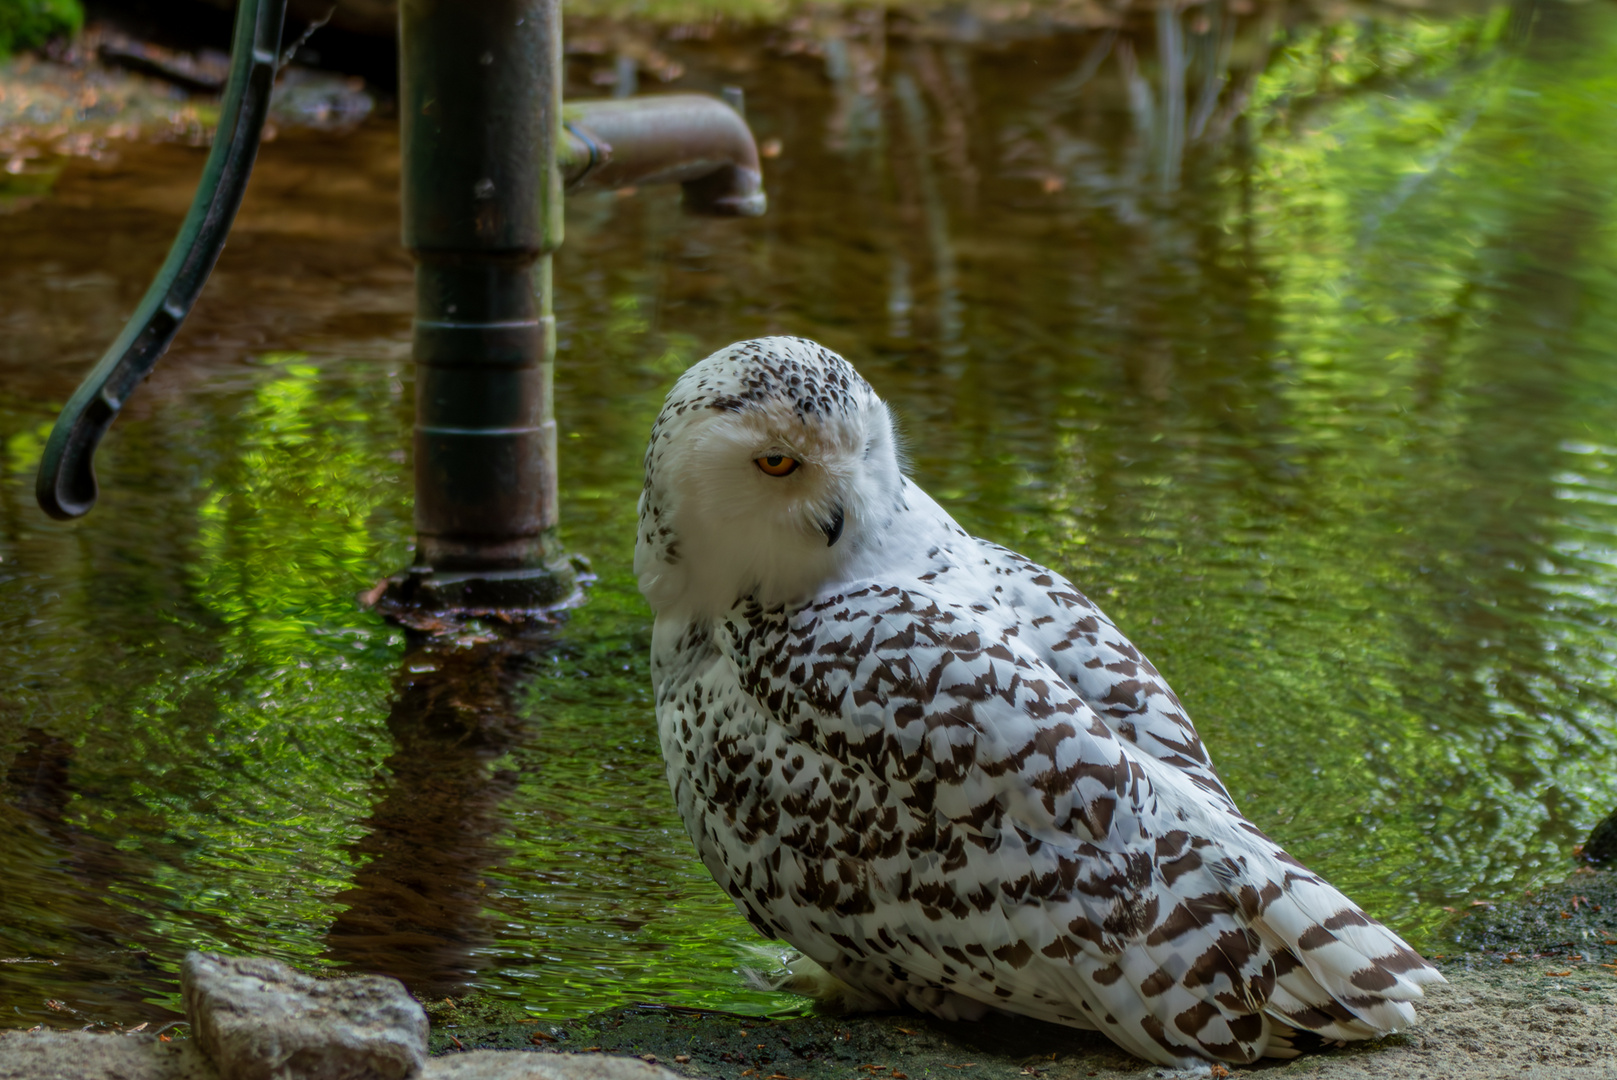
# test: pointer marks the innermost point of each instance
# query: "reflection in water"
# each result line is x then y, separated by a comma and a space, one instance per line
416, 909
935, 215
77, 938
1290, 343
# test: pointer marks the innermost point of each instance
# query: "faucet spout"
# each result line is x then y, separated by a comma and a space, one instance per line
694, 140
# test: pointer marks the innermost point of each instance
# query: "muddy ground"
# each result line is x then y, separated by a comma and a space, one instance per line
1531, 993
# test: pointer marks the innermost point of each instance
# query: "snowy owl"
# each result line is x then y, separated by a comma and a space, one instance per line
938, 770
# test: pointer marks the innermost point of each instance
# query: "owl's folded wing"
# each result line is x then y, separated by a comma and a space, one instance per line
952, 812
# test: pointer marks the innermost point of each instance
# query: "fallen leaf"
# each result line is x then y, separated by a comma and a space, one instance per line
458, 1044
540, 1037
683, 1059
1558, 974
905, 1031
138, 1027
589, 1049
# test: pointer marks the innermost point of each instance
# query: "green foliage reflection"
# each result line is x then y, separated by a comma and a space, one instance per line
1388, 626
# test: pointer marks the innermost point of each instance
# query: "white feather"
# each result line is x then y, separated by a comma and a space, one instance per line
938, 770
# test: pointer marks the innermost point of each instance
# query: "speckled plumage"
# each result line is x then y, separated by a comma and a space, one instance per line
938, 769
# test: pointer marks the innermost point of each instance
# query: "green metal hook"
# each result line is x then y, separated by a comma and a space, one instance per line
66, 486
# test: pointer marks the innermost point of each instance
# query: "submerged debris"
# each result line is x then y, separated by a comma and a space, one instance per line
84, 97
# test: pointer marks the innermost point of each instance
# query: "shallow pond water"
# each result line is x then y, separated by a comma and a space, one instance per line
1294, 351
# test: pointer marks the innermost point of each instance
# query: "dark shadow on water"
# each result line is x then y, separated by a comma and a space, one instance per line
64, 893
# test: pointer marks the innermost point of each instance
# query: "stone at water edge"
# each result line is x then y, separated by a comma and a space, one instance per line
1601, 847
257, 1019
92, 1055
521, 1065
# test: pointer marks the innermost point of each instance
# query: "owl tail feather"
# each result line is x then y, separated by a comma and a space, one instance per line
1340, 974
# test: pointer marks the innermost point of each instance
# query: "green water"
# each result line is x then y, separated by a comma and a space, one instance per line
1305, 373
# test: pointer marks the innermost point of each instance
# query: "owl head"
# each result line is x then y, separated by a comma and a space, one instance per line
769, 474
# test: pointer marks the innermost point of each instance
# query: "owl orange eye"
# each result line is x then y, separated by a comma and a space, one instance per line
776, 464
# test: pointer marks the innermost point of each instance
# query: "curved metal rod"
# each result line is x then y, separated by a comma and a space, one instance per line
66, 486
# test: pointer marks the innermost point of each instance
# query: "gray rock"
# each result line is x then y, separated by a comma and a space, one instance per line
1601, 847
525, 1065
83, 1055
260, 1020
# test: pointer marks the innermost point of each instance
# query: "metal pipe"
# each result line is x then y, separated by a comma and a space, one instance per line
689, 139
480, 87
486, 147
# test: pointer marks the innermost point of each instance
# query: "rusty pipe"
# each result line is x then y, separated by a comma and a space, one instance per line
689, 139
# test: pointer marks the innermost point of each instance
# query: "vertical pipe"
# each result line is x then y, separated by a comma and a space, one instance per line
480, 93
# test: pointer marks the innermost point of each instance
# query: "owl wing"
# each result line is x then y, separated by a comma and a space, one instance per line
944, 809
1075, 638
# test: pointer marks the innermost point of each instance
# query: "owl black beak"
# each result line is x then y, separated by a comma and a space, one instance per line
833, 528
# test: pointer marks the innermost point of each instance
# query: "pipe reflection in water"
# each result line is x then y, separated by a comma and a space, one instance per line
416, 909
949, 89
1171, 126
900, 298
950, 319
855, 63
1215, 32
